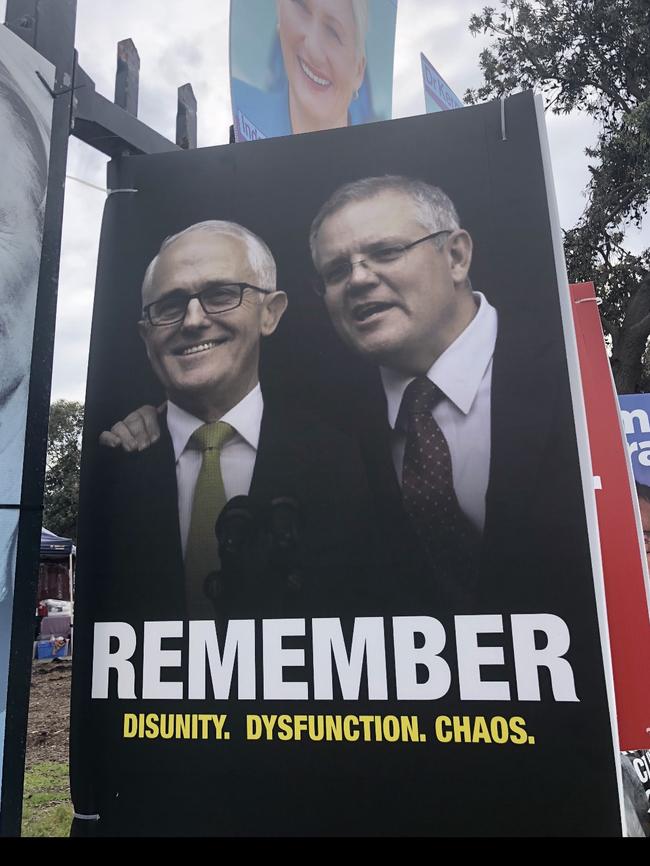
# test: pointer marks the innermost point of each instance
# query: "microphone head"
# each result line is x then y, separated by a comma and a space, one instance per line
284, 521
235, 524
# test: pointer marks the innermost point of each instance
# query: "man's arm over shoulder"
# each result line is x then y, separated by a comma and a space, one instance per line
137, 432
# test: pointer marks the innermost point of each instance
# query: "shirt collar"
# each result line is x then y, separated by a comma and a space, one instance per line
245, 417
459, 371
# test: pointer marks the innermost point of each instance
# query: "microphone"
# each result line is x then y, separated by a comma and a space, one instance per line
234, 529
284, 526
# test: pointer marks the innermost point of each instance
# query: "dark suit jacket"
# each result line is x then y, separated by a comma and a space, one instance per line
534, 560
534, 534
130, 569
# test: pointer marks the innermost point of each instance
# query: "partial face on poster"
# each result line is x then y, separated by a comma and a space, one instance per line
306, 65
25, 124
25, 119
23, 174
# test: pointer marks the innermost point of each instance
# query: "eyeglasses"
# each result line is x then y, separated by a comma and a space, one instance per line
214, 299
339, 271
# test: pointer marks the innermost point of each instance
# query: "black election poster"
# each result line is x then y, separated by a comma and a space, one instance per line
349, 346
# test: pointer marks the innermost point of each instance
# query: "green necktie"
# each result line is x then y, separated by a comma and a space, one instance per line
202, 551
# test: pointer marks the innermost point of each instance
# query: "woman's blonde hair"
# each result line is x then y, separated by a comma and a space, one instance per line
360, 13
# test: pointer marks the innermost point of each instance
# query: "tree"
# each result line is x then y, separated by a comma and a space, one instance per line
594, 56
61, 501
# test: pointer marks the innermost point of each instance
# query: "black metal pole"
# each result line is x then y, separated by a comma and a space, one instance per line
186, 120
49, 27
127, 79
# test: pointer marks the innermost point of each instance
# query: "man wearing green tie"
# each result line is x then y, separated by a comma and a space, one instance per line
208, 299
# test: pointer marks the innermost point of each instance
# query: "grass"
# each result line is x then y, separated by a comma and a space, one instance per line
47, 810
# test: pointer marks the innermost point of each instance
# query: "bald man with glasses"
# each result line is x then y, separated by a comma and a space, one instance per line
303, 544
209, 299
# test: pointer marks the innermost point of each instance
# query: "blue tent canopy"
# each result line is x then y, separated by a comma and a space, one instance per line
53, 546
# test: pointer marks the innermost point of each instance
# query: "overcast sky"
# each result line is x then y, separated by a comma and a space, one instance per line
180, 42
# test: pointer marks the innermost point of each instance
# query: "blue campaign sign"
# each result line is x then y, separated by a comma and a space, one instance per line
438, 96
635, 413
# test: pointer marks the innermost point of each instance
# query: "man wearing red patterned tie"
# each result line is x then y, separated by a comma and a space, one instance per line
394, 267
474, 496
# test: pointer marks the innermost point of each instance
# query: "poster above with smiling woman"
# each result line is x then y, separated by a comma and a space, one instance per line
307, 65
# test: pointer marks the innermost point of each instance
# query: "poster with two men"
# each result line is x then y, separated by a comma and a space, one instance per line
338, 568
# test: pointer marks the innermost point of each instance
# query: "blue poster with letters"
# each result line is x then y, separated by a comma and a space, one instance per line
438, 96
635, 415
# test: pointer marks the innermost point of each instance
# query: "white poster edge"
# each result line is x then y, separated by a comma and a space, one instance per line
582, 435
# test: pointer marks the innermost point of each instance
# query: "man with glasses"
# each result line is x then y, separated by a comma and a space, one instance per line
293, 486
208, 299
24, 129
463, 438
393, 265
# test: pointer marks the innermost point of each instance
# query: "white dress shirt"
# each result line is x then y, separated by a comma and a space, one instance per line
237, 455
464, 375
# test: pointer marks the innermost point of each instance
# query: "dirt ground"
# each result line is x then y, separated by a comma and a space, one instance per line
48, 726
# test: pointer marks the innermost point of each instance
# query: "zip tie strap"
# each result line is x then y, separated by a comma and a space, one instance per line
593, 298
81, 817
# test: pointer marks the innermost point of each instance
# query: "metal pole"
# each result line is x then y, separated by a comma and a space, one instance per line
127, 79
186, 121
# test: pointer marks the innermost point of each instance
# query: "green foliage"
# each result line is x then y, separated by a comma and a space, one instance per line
591, 56
47, 810
61, 501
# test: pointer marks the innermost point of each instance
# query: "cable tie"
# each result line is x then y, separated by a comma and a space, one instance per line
593, 298
81, 817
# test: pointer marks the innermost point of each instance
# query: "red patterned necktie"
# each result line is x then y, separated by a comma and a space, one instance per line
447, 535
